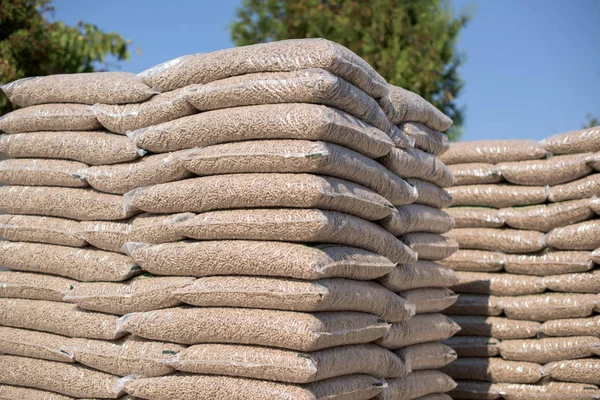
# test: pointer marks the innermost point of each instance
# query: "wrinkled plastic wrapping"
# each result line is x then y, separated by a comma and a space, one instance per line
476, 390
422, 328
418, 275
430, 246
59, 318
297, 225
297, 295
544, 307
498, 284
498, 196
42, 172
552, 171
73, 203
142, 293
9, 392
550, 263
70, 262
417, 218
400, 139
475, 173
417, 384
582, 236
24, 285
289, 365
476, 304
547, 350
474, 346
574, 283
129, 117
493, 151
209, 387
426, 356
504, 240
494, 370
586, 370
429, 300
572, 327
262, 258
90, 147
315, 86
402, 105
31, 228
433, 142
286, 55
34, 344
84, 88
415, 163
475, 217
430, 194
295, 156
50, 117
475, 260
550, 390
496, 327
579, 189
573, 142
128, 356
284, 329
269, 121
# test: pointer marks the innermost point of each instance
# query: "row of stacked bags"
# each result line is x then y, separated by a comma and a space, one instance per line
526, 220
262, 222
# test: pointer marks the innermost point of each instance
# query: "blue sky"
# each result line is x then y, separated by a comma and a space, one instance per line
533, 66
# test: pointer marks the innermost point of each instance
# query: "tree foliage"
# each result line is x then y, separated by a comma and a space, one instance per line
591, 121
32, 44
411, 43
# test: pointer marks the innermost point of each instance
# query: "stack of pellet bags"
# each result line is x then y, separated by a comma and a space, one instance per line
527, 224
239, 224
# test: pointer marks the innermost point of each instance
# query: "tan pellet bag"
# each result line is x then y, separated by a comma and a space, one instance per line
43, 172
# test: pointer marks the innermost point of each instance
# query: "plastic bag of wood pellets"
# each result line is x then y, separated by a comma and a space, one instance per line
552, 171
429, 300
40, 172
435, 396
582, 236
34, 344
315, 86
31, 228
498, 284
9, 392
573, 142
419, 275
90, 147
50, 117
504, 240
430, 246
417, 384
595, 256
80, 264
475, 173
586, 370
270, 121
285, 329
426, 356
550, 390
433, 142
296, 295
402, 105
544, 307
144, 228
289, 365
572, 327
151, 170
84, 88
498, 196
476, 304
550, 263
417, 218
127, 356
237, 191
574, 283
23, 285
69, 379
475, 260
142, 293
579, 189
594, 161
296, 156
297, 225
474, 346
475, 217
415, 163
547, 350
493, 151
73, 203
430, 194
59, 318
421, 328
496, 327
546, 217
209, 387
129, 117
494, 370
476, 390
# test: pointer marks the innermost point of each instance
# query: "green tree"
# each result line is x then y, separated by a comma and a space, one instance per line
591, 121
32, 44
411, 43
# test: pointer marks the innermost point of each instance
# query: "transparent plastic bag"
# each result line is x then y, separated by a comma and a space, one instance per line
552, 171
581, 236
474, 346
415, 163
475, 217
581, 282
426, 356
498, 196
549, 391
402, 105
496, 327
419, 275
50, 117
503, 240
572, 327
9, 392
417, 218
478, 390
33, 344
433, 142
549, 263
544, 307
421, 328
493, 151
585, 370
41, 172
546, 217
476, 304
32, 228
573, 142
475, 173
417, 384
547, 350
33, 286
429, 300
580, 189
430, 194
475, 260
498, 284
494, 370
430, 246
